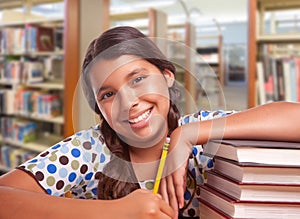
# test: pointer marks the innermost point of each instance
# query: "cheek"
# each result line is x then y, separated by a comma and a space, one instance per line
106, 112
156, 88
162, 102
166, 105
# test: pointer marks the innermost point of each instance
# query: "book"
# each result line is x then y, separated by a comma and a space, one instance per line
207, 211
289, 79
257, 173
54, 68
256, 151
297, 69
254, 191
33, 72
39, 38
234, 208
260, 83
281, 77
45, 38
12, 40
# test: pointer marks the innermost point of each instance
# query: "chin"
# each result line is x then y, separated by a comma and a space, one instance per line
145, 138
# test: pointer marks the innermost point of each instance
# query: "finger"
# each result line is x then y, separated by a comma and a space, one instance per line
171, 194
167, 211
179, 185
163, 190
179, 178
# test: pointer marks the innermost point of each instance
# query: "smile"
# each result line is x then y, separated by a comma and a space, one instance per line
140, 118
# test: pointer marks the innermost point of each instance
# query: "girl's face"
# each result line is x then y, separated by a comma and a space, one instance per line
133, 97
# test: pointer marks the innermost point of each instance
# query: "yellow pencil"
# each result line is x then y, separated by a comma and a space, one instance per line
161, 166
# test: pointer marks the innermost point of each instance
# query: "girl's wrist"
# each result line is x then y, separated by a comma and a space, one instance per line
187, 133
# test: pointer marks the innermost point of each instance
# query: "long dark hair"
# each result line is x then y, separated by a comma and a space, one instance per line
118, 179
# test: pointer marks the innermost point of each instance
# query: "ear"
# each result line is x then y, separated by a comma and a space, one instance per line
169, 76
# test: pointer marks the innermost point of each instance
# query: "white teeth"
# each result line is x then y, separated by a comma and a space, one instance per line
140, 118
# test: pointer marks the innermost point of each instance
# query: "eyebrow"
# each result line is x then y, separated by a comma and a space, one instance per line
135, 72
130, 75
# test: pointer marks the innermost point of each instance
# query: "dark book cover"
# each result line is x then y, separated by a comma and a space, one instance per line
45, 39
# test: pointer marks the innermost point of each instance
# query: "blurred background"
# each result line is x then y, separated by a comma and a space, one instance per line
232, 54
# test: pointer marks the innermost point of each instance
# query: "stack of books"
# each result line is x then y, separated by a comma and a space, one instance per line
252, 179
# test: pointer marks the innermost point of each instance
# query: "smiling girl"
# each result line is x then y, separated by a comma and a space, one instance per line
131, 85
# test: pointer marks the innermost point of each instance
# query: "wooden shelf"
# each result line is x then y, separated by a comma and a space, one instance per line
18, 4
213, 58
38, 145
47, 85
279, 38
55, 120
31, 21
40, 85
35, 54
129, 15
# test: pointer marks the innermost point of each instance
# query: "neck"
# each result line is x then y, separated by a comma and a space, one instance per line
145, 160
149, 154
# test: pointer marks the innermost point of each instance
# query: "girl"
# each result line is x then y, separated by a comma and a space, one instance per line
130, 84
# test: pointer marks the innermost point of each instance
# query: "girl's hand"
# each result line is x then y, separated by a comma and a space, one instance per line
144, 204
172, 188
173, 185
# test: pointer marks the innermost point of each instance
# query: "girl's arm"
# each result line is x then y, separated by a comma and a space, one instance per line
22, 197
274, 121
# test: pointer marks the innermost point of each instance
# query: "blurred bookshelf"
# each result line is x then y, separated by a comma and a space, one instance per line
32, 84
274, 58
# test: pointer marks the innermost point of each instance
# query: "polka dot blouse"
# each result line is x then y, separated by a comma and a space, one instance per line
71, 166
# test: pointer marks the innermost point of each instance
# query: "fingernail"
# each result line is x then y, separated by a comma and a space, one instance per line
180, 205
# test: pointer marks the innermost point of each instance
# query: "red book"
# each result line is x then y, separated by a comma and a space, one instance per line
233, 208
45, 39
257, 173
207, 211
254, 191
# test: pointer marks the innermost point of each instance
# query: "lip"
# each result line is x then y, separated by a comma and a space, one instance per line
143, 122
139, 114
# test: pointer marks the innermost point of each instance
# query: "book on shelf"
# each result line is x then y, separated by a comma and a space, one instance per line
256, 151
12, 40
255, 192
227, 207
11, 157
54, 66
7, 98
37, 103
30, 38
39, 38
59, 38
278, 79
33, 72
257, 173
18, 130
12, 72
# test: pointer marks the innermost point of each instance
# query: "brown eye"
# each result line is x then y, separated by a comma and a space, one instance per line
106, 95
138, 79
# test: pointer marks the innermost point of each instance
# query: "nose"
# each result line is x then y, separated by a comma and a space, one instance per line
127, 98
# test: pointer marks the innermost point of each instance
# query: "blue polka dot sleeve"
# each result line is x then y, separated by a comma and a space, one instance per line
71, 166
